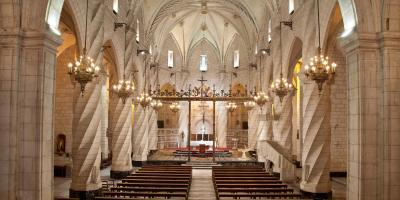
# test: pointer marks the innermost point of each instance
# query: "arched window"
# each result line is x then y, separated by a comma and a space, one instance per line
269, 30
236, 57
137, 30
115, 6
203, 63
170, 58
291, 6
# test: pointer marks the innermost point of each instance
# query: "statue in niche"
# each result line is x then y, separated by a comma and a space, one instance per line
60, 144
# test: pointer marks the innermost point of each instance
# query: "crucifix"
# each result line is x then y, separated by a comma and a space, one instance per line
202, 80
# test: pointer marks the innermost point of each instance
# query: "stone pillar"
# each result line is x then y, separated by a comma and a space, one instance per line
221, 123
140, 135
261, 135
316, 139
152, 129
282, 127
86, 131
362, 55
390, 127
121, 139
27, 74
183, 124
253, 121
104, 123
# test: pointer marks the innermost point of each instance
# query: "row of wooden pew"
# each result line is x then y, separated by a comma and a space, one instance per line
163, 181
249, 183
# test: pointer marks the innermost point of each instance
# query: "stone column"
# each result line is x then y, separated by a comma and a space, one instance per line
389, 140
261, 135
221, 123
153, 129
104, 122
121, 139
316, 139
140, 135
282, 128
253, 121
362, 56
86, 132
183, 124
27, 68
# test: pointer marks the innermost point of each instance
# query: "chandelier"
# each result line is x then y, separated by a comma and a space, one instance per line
125, 88
144, 99
319, 69
281, 87
249, 105
156, 104
261, 98
231, 106
175, 107
83, 70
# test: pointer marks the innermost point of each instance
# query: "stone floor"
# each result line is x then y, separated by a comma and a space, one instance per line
202, 187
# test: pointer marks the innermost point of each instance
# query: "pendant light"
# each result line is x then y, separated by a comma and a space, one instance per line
319, 69
125, 88
281, 87
261, 98
83, 70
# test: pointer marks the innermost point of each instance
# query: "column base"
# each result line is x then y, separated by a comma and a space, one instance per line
119, 174
84, 195
138, 163
316, 196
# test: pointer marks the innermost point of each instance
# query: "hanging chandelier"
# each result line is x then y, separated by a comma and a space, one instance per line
281, 87
125, 88
260, 97
156, 104
249, 105
175, 107
83, 70
319, 69
144, 99
231, 106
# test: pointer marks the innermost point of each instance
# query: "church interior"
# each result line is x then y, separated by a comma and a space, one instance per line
199, 99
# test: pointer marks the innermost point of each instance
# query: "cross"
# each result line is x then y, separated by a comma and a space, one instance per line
202, 80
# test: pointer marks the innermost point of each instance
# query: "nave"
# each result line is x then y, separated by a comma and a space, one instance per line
304, 94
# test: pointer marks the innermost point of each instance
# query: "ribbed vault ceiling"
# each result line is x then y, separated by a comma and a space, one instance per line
216, 21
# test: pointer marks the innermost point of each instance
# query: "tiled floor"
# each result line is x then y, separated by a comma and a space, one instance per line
62, 185
202, 187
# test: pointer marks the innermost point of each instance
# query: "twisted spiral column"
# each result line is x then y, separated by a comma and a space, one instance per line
221, 123
254, 127
121, 139
282, 128
183, 119
316, 139
86, 133
140, 134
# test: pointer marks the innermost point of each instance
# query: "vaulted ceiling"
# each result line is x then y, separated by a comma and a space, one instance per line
218, 22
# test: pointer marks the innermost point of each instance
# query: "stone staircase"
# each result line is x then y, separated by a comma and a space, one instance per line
202, 187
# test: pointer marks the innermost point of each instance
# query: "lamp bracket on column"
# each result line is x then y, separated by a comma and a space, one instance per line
119, 25
288, 23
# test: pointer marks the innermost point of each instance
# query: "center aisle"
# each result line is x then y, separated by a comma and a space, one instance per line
202, 187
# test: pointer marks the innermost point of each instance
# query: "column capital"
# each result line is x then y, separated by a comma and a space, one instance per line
359, 40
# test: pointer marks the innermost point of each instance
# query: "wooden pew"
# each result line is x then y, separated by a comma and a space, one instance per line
161, 174
150, 189
266, 195
178, 185
255, 190
147, 194
154, 181
134, 176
